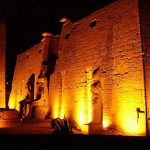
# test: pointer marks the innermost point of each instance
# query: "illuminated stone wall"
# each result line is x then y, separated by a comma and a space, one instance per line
33, 63
98, 78
145, 28
2, 64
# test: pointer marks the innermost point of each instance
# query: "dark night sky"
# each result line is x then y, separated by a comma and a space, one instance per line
27, 20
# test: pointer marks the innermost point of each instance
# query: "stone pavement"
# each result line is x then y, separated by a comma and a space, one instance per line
15, 126
36, 134
30, 127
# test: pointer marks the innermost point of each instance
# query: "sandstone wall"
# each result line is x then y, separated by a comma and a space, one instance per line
33, 63
98, 77
28, 63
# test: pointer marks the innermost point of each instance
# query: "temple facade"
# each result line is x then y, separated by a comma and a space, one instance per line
31, 77
96, 74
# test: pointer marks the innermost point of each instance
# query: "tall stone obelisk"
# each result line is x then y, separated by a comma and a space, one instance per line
2, 64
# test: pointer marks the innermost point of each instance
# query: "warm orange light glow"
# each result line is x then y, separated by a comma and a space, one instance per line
82, 119
106, 122
131, 124
63, 108
62, 111
127, 119
84, 129
89, 95
55, 109
17, 96
80, 114
11, 103
83, 111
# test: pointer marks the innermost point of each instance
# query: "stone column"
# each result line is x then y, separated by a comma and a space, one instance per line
2, 64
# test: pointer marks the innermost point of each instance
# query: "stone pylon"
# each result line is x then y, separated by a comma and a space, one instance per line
2, 64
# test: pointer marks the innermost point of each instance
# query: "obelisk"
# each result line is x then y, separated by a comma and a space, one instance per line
2, 64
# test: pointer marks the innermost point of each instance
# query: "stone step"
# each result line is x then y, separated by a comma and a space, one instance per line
9, 114
37, 122
9, 118
9, 123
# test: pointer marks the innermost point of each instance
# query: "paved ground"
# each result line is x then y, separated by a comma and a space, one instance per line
27, 127
37, 135
31, 127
